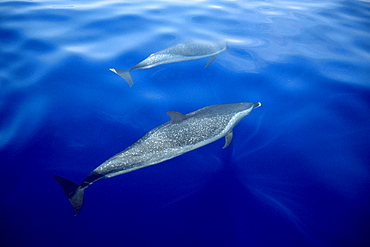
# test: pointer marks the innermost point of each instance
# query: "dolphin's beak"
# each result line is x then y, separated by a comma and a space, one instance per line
257, 104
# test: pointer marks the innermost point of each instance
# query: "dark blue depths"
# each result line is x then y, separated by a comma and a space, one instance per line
296, 174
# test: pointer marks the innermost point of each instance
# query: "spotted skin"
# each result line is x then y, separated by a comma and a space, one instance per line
183, 133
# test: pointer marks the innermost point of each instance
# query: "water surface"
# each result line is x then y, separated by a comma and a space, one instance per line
297, 173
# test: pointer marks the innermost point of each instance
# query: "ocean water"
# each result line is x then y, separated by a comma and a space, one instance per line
296, 174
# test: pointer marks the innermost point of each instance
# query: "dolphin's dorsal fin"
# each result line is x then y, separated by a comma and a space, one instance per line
176, 116
188, 40
228, 139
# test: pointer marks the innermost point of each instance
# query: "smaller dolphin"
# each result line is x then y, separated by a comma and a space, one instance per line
188, 50
178, 136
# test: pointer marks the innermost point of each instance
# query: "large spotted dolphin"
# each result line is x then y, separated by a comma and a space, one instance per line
183, 133
188, 50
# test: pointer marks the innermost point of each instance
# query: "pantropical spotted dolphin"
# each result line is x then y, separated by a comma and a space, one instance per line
183, 133
188, 50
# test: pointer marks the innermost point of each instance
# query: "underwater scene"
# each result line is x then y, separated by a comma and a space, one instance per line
192, 123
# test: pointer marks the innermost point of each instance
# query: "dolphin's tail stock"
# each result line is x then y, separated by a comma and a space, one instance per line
125, 74
74, 192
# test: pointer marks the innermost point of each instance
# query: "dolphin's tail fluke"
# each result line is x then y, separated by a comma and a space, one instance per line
74, 192
125, 74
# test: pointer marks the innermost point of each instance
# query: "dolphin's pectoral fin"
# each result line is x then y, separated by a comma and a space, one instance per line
228, 139
176, 116
211, 59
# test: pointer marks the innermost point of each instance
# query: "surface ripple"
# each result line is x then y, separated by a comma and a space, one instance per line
296, 174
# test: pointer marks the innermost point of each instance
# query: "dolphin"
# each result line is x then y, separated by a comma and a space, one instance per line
188, 50
183, 133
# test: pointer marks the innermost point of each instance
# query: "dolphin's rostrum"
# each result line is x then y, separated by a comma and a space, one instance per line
188, 50
183, 133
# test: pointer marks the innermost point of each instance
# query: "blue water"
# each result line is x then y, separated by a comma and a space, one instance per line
296, 174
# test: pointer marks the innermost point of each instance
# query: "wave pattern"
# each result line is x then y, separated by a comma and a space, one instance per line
298, 170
